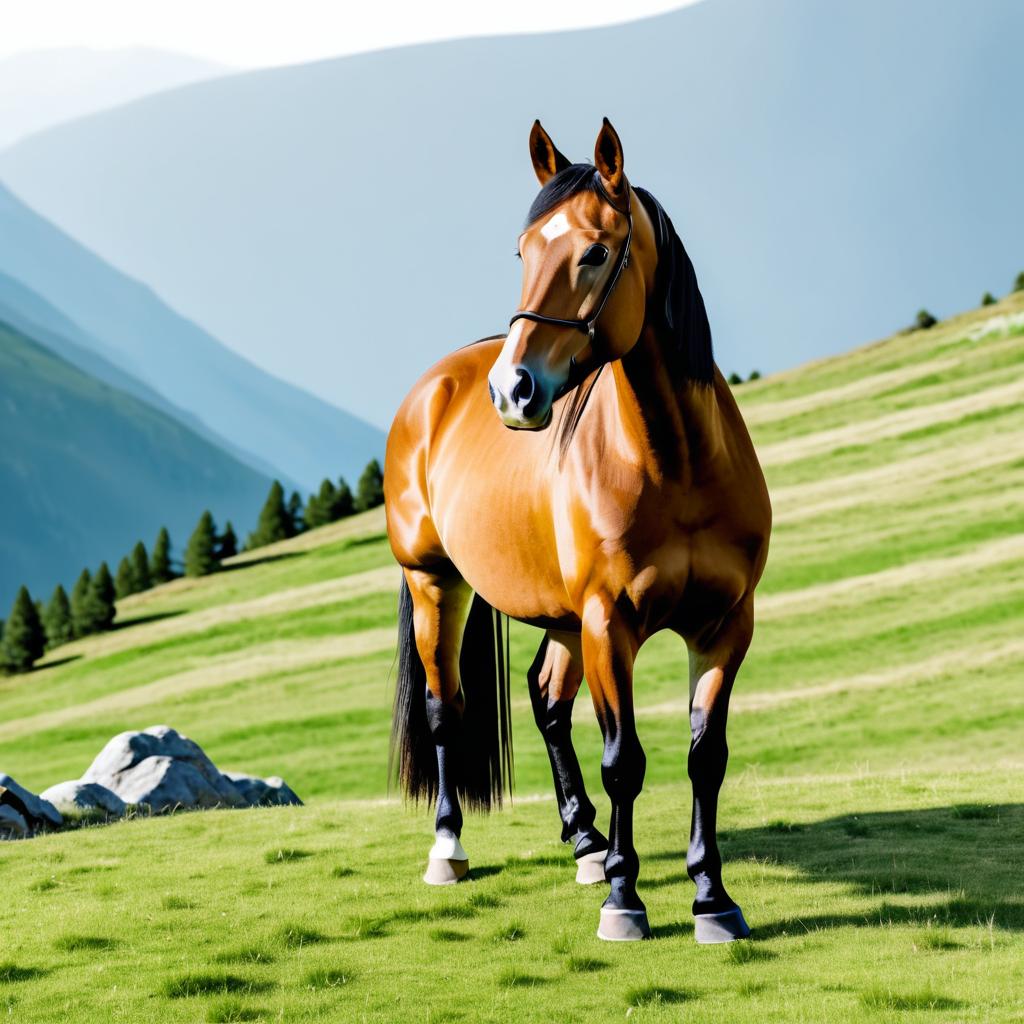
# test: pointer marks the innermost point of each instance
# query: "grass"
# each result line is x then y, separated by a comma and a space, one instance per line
871, 821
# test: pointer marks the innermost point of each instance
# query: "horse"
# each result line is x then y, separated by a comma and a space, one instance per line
589, 473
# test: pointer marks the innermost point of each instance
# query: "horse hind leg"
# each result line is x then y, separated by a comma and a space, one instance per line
440, 604
554, 679
713, 668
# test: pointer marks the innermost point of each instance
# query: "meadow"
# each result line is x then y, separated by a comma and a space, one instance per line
871, 822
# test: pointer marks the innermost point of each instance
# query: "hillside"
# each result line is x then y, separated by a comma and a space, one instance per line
268, 421
86, 470
345, 223
871, 819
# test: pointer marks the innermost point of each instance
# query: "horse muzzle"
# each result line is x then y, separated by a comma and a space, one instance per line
523, 400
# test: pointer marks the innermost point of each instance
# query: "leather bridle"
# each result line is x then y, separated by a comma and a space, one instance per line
588, 325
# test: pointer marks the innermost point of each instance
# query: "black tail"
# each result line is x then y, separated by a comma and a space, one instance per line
483, 759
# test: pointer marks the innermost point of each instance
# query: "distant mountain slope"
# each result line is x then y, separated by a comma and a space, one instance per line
831, 167
85, 470
304, 437
32, 315
44, 87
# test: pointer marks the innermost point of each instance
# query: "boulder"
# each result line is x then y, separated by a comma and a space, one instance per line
12, 824
256, 792
38, 813
84, 800
162, 770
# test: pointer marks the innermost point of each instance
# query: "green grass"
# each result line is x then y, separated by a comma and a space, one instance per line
871, 821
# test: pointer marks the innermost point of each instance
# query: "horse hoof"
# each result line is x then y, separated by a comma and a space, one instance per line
728, 926
623, 925
590, 868
442, 871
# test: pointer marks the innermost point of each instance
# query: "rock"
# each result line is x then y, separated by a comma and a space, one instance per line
12, 824
84, 800
256, 792
162, 770
37, 812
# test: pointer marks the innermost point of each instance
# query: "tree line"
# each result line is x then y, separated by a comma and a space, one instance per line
33, 628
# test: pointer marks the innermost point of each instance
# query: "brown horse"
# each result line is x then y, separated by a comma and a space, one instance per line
641, 508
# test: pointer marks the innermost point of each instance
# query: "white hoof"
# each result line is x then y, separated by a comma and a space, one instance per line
442, 871
623, 925
728, 926
590, 868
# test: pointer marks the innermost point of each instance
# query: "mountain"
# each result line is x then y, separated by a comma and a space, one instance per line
32, 315
86, 470
44, 87
832, 168
274, 423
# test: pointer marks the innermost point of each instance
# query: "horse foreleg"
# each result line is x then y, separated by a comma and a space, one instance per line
440, 609
713, 668
554, 680
609, 650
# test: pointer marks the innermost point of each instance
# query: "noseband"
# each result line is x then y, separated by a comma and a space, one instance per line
588, 325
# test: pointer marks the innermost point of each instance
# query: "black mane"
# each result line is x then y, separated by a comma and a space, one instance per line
676, 308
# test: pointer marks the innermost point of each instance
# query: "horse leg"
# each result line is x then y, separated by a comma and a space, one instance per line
554, 680
609, 650
440, 609
713, 668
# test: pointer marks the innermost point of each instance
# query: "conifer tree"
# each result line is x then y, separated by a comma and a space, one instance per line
343, 504
273, 523
1018, 284
80, 605
295, 522
124, 582
140, 567
370, 489
988, 299
320, 507
57, 618
24, 639
160, 570
227, 543
100, 600
201, 554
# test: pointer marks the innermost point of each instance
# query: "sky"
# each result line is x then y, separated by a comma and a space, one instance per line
263, 33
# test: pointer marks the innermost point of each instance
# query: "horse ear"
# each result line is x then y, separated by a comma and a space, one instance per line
547, 160
608, 157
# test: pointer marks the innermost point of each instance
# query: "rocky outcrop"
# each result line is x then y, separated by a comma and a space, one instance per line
269, 792
37, 812
76, 799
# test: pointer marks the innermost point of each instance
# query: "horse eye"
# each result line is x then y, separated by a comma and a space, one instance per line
594, 256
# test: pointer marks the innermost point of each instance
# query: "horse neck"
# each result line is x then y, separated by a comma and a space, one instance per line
672, 419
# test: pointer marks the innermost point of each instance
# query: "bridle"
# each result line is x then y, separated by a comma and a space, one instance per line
588, 325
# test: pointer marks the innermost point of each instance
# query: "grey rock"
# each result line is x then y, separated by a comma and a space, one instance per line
38, 812
257, 792
12, 824
84, 799
163, 770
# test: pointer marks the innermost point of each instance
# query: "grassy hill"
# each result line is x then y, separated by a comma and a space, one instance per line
871, 821
86, 469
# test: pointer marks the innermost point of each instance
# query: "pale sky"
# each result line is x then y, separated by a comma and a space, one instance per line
259, 33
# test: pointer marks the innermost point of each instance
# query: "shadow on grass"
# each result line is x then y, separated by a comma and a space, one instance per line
141, 620
262, 560
55, 662
970, 853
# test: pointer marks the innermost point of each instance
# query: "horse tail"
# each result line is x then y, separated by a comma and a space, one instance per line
483, 755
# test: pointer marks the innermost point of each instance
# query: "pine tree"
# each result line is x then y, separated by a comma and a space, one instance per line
160, 570
320, 506
1018, 284
925, 320
370, 489
988, 299
140, 567
273, 524
735, 378
100, 600
343, 505
295, 523
201, 555
80, 605
24, 639
57, 618
227, 543
124, 583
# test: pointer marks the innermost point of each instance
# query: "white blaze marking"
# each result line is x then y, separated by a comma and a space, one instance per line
558, 225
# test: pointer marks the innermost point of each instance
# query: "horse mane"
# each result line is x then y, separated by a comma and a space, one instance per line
676, 308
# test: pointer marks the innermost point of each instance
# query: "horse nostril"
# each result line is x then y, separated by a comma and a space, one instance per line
523, 389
